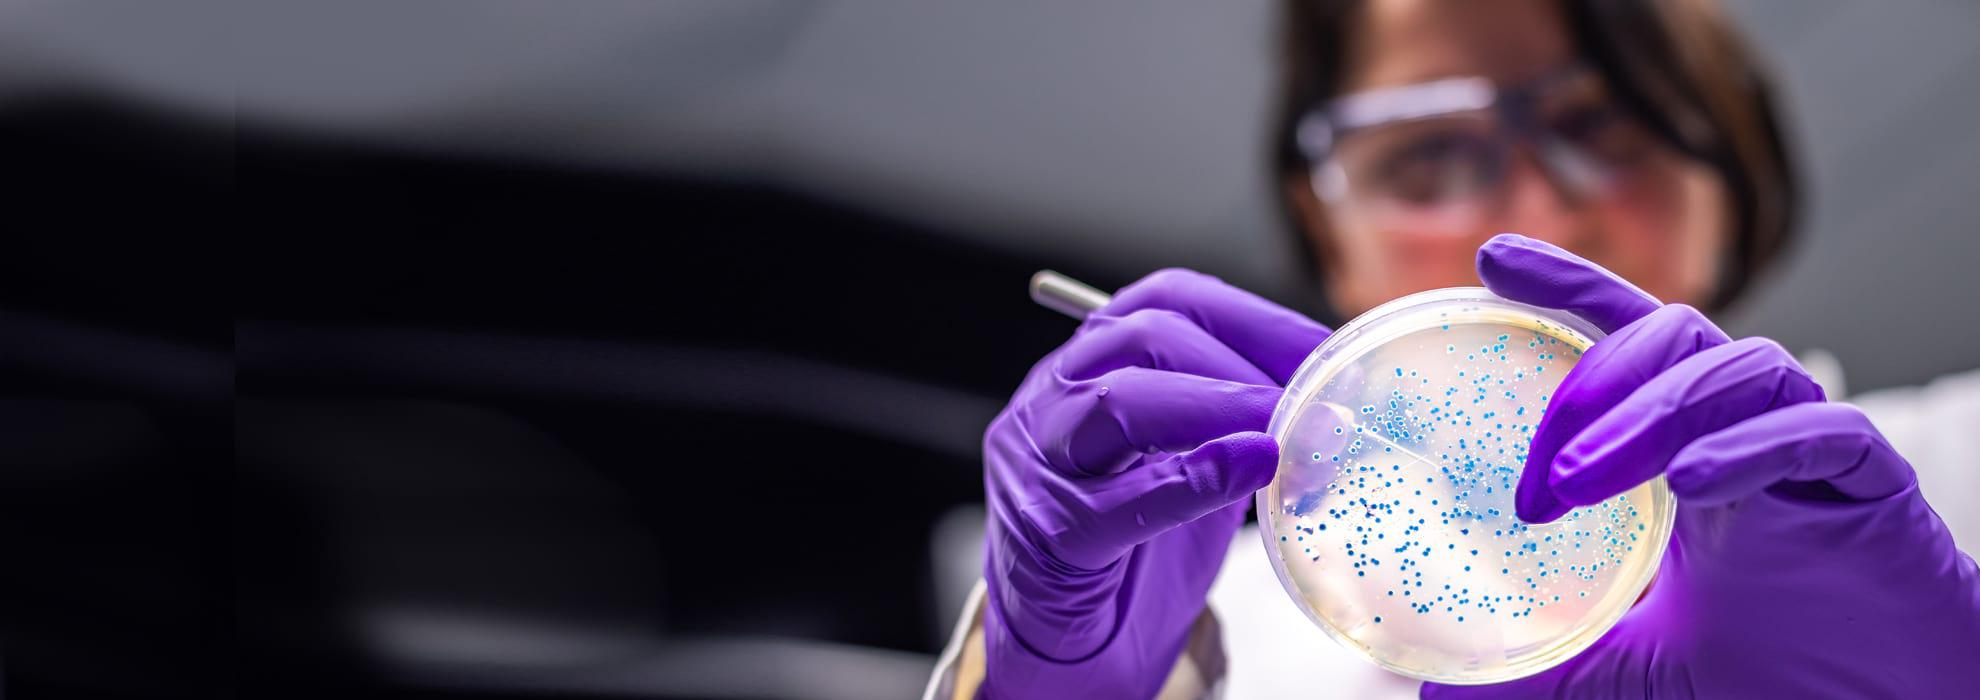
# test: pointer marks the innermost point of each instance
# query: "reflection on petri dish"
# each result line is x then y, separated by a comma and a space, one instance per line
1391, 521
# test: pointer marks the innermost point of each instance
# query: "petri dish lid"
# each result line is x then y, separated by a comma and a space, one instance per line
1390, 521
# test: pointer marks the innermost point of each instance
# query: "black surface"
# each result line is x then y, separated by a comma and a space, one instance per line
113, 415
183, 526
753, 523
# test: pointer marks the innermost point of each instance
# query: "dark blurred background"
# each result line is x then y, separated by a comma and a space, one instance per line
642, 349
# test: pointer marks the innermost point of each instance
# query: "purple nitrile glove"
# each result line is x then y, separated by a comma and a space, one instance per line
1804, 563
1117, 476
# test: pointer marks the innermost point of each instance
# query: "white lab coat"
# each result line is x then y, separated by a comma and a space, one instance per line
1270, 650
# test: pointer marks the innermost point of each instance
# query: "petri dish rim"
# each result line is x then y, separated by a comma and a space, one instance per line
1371, 329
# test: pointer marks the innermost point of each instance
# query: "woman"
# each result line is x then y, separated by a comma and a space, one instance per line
1628, 141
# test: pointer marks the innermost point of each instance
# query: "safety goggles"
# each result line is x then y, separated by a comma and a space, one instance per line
1438, 154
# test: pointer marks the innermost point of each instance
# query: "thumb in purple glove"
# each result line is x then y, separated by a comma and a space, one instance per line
1803, 563
1117, 476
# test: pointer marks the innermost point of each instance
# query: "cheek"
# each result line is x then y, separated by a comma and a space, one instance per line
1664, 233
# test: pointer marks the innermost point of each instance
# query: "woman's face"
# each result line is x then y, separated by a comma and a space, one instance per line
1660, 220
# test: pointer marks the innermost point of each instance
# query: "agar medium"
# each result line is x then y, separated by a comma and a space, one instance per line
1390, 520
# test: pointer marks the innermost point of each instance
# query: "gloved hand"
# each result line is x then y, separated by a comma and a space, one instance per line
1804, 562
1117, 476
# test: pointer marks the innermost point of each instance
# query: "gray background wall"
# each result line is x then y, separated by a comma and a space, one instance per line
1128, 132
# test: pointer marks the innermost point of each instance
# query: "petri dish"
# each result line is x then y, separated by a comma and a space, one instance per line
1390, 520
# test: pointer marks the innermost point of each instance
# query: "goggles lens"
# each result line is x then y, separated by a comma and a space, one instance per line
1399, 150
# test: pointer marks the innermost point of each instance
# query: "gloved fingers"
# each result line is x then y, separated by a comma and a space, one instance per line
1542, 274
1154, 338
1122, 510
1105, 425
1828, 442
1608, 373
1705, 393
1271, 337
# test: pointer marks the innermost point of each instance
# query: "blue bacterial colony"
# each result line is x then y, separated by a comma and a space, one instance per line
1395, 511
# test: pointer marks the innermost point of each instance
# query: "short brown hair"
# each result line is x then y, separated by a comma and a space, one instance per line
1679, 65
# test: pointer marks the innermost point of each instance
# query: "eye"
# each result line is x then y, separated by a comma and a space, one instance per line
1605, 131
1431, 165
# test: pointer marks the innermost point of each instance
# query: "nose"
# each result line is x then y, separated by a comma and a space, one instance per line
1539, 204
